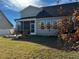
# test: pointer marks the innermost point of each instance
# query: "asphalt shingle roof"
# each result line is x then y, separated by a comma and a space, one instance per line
56, 11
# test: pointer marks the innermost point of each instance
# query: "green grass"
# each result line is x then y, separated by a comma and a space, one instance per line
10, 49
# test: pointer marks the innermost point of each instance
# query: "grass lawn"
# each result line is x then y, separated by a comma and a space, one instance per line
10, 49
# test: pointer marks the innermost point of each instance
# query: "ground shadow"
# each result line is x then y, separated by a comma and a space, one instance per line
50, 41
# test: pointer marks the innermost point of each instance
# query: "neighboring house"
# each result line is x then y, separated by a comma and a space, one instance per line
5, 25
41, 21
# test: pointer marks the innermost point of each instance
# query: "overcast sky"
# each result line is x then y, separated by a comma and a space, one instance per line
11, 8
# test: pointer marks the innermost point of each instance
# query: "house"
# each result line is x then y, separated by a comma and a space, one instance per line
5, 25
42, 21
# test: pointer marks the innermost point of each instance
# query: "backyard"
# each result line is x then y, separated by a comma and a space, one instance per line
33, 49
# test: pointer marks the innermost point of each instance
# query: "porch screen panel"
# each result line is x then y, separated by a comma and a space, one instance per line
25, 27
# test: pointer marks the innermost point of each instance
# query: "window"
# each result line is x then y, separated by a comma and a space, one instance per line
46, 24
42, 25
32, 27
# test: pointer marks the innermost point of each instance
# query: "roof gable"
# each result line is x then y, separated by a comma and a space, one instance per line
30, 11
42, 14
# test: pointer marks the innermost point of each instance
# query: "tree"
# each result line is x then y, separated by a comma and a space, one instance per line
69, 30
77, 0
58, 1
73, 0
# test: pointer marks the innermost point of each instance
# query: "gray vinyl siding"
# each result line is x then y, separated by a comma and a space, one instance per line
4, 24
40, 31
5, 31
46, 31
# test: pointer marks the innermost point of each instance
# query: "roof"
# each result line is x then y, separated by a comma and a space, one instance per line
4, 19
62, 10
56, 11
30, 11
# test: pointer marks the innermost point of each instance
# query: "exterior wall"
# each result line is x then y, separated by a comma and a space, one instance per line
4, 24
47, 31
5, 32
